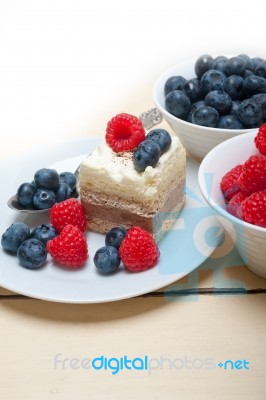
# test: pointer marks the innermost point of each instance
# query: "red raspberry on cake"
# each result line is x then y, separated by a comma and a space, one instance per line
69, 248
67, 212
253, 176
254, 208
229, 185
260, 139
234, 205
124, 132
139, 250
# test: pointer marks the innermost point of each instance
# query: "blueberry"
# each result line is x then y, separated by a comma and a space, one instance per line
249, 112
212, 80
260, 69
174, 83
146, 154
177, 103
219, 100
193, 108
115, 236
234, 107
203, 64
107, 259
161, 137
69, 178
44, 199
261, 98
254, 84
234, 87
235, 66
74, 193
32, 254
44, 233
206, 116
14, 236
193, 90
256, 124
25, 194
63, 192
230, 122
248, 60
46, 178
219, 63
33, 183
256, 61
247, 73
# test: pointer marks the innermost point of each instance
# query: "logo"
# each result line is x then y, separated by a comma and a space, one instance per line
125, 364
234, 365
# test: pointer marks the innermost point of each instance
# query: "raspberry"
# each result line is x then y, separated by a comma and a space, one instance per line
67, 212
260, 139
254, 208
124, 132
228, 184
253, 176
69, 248
138, 250
234, 205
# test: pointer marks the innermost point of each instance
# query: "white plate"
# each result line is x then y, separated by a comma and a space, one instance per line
183, 249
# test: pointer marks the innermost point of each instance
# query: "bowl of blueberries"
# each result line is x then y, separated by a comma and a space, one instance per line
211, 99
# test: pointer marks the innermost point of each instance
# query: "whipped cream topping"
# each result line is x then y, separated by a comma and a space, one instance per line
106, 169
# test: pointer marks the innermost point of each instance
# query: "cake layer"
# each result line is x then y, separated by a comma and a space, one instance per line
105, 213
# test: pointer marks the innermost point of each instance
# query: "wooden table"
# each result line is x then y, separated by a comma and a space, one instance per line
182, 335
215, 314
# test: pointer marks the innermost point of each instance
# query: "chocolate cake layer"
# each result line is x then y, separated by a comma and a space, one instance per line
104, 213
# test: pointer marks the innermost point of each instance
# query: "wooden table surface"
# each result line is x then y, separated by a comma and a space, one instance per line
66, 68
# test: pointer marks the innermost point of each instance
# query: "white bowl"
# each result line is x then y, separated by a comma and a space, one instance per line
250, 240
198, 140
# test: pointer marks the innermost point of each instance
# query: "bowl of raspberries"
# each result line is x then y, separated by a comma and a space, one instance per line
211, 99
232, 179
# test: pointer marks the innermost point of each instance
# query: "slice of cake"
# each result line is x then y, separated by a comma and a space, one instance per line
138, 185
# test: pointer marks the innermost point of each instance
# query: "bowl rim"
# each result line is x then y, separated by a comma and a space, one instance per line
155, 91
212, 153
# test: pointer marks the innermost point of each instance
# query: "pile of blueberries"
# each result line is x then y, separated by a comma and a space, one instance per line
47, 188
28, 245
227, 93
